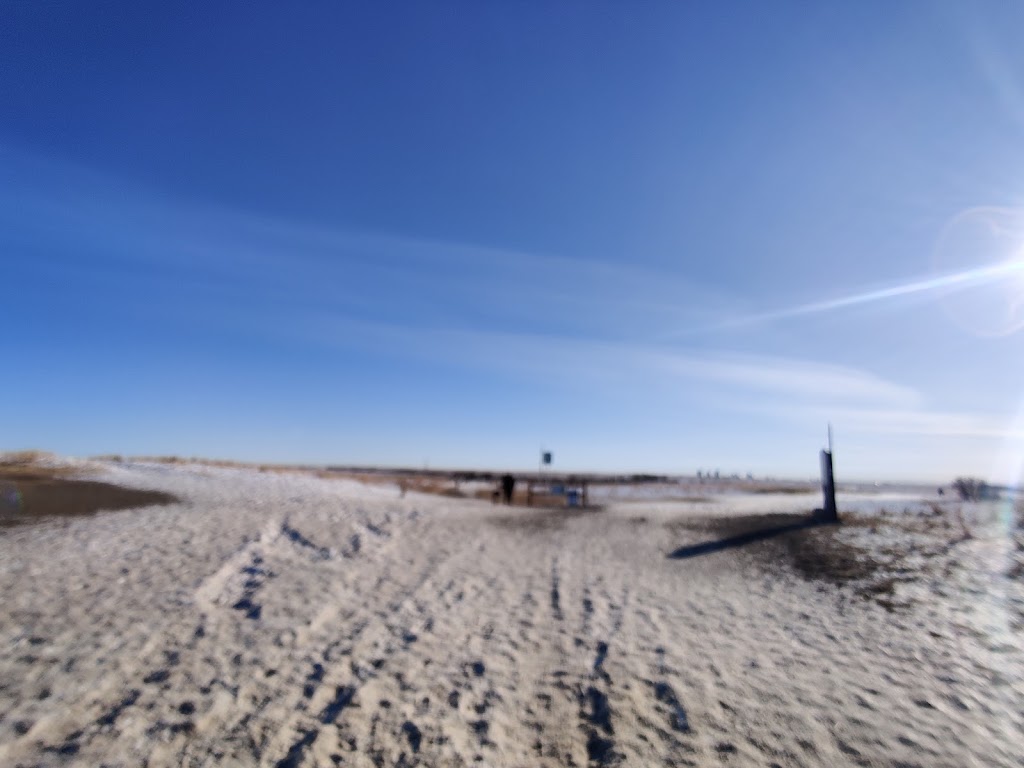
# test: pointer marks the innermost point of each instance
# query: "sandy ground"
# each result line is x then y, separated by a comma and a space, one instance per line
284, 620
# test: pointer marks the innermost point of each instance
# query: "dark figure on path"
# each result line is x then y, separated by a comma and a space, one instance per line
508, 485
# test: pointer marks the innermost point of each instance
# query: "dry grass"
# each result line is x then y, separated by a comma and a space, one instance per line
939, 521
788, 487
449, 487
31, 456
789, 490
226, 463
29, 465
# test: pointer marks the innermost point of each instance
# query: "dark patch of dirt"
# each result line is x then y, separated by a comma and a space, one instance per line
534, 520
815, 551
28, 497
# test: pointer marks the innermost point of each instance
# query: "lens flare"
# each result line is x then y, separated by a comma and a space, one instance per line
978, 277
985, 241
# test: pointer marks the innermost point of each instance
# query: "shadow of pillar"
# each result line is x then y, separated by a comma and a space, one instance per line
819, 517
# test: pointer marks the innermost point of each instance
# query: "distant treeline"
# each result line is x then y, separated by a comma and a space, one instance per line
456, 475
493, 476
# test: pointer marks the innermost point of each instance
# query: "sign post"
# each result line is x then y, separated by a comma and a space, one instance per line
828, 486
545, 461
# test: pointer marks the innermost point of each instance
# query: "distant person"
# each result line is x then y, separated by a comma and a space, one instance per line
508, 485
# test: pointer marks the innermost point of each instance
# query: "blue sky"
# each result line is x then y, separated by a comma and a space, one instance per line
661, 237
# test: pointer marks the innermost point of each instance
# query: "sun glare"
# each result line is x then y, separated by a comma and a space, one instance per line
986, 247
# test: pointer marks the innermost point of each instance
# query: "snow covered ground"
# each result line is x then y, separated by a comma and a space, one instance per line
284, 620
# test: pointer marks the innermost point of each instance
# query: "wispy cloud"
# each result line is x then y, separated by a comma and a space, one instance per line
568, 322
995, 66
921, 422
625, 367
939, 285
269, 261
799, 392
980, 248
795, 378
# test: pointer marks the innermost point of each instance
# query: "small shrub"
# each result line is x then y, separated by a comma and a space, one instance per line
971, 488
